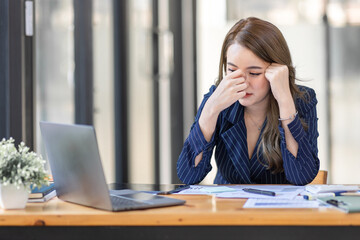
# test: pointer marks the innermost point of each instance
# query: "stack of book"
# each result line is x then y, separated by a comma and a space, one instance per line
42, 194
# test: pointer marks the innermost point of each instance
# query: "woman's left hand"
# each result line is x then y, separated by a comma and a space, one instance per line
278, 76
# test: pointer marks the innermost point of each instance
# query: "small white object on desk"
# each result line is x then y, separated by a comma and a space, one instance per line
319, 188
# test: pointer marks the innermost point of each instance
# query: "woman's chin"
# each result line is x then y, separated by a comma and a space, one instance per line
245, 102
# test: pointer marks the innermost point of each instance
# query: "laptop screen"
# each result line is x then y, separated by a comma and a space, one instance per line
75, 163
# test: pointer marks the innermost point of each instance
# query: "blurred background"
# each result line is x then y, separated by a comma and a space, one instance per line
138, 69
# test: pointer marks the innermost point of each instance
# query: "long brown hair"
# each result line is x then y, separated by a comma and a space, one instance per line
267, 42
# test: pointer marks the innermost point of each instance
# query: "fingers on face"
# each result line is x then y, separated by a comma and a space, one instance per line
236, 74
276, 70
236, 87
236, 83
275, 67
269, 75
241, 94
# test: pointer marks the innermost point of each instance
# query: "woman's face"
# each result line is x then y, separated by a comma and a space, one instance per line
253, 70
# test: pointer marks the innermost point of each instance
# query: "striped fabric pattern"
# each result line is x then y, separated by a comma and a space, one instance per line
231, 153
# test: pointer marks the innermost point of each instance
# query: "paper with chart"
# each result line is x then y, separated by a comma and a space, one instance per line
280, 203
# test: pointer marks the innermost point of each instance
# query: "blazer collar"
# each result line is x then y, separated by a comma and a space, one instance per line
234, 113
236, 144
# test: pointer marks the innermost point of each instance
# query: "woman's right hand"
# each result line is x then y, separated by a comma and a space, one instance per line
230, 90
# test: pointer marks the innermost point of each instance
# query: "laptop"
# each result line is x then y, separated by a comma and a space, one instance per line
74, 159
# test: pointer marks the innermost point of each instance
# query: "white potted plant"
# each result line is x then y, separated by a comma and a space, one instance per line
20, 169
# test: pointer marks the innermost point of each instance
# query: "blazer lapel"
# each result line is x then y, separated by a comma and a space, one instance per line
236, 142
256, 167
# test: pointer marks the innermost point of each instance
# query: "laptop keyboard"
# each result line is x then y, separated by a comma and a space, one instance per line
119, 202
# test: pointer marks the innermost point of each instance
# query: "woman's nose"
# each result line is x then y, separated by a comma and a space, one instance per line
242, 74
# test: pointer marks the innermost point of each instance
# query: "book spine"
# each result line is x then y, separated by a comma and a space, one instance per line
42, 192
43, 199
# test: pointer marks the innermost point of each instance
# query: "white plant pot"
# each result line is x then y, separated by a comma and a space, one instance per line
12, 197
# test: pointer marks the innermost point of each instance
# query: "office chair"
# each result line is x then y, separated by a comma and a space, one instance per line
321, 177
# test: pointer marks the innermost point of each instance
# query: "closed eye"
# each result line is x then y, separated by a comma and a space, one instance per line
255, 74
231, 70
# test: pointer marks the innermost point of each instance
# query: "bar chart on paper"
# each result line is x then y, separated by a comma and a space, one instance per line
280, 203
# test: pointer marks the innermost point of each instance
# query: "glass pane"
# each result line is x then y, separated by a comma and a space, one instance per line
344, 18
54, 56
104, 84
140, 93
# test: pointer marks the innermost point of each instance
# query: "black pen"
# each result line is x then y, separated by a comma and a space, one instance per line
258, 191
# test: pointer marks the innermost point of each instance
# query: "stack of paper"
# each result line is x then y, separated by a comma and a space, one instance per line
331, 188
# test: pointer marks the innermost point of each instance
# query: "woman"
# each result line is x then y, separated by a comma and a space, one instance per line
264, 126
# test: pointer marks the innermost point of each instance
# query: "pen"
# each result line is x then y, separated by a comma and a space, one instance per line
350, 194
258, 191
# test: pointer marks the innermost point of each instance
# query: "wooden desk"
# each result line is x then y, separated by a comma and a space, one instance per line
202, 217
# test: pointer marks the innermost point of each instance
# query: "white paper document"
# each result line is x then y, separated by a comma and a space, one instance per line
218, 189
282, 192
320, 188
205, 190
235, 191
280, 203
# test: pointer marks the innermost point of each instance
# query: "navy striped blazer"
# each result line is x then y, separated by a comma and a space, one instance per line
231, 152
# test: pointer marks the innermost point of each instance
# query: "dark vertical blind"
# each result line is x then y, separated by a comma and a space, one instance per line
83, 62
29, 88
4, 68
176, 87
156, 97
13, 77
120, 91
